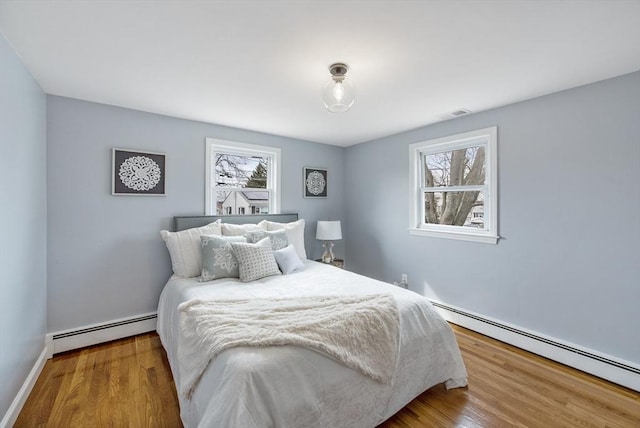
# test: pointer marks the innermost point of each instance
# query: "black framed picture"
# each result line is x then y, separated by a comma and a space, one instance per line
315, 182
137, 173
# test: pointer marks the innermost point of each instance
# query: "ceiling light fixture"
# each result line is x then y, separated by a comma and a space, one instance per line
338, 94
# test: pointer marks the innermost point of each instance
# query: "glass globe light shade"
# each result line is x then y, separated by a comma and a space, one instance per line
338, 95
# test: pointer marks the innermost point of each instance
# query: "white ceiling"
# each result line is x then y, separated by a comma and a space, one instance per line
260, 65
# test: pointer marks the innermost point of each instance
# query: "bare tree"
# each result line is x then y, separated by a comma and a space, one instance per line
462, 167
230, 171
431, 208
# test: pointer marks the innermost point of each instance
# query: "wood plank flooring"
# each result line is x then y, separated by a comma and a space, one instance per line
124, 383
128, 383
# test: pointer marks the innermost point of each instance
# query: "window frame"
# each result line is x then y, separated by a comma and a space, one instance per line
487, 137
273, 154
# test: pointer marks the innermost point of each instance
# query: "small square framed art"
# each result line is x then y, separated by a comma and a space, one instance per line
315, 182
138, 173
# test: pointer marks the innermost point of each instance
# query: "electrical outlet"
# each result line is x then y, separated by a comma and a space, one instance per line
404, 278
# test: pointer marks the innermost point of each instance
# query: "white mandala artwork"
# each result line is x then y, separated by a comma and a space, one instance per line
315, 183
137, 173
140, 173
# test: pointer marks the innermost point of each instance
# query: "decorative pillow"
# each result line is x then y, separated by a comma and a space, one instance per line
278, 238
288, 259
295, 234
184, 248
229, 229
255, 260
218, 259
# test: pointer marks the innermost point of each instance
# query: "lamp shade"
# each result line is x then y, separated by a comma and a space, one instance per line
329, 231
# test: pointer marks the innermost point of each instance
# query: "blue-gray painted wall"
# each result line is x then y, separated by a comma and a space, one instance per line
23, 224
106, 258
568, 263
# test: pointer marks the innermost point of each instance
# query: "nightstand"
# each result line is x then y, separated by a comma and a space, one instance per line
336, 262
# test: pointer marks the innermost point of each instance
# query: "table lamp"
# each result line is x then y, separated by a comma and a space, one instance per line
328, 231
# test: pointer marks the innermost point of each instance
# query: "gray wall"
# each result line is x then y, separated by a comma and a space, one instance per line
106, 258
23, 219
568, 263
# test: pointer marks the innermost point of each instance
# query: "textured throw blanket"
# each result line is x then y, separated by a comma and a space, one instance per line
360, 332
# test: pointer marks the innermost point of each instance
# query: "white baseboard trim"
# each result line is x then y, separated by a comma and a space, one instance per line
605, 366
67, 340
16, 406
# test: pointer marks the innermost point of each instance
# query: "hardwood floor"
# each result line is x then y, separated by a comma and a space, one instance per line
124, 383
509, 387
128, 383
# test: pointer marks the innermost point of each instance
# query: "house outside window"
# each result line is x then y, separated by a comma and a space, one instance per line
454, 187
241, 178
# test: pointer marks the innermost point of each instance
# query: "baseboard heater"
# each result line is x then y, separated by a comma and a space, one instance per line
98, 333
615, 370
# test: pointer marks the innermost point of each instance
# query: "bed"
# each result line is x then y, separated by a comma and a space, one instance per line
294, 386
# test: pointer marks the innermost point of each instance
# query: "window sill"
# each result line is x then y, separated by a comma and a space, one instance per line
461, 236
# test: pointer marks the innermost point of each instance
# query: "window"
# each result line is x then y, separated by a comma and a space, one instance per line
259, 210
454, 187
241, 178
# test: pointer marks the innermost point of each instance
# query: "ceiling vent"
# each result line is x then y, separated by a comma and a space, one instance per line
460, 112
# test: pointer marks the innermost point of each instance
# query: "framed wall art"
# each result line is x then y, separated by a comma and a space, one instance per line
138, 173
315, 182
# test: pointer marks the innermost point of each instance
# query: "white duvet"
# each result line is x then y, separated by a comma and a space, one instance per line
288, 386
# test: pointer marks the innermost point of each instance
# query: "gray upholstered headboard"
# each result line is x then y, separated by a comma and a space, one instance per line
187, 222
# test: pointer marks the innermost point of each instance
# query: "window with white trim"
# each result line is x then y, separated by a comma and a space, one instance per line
454, 187
241, 178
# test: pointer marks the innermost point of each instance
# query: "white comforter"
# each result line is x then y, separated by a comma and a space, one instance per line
288, 386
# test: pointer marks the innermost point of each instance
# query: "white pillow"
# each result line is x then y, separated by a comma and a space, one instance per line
255, 261
229, 229
288, 259
185, 248
295, 234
